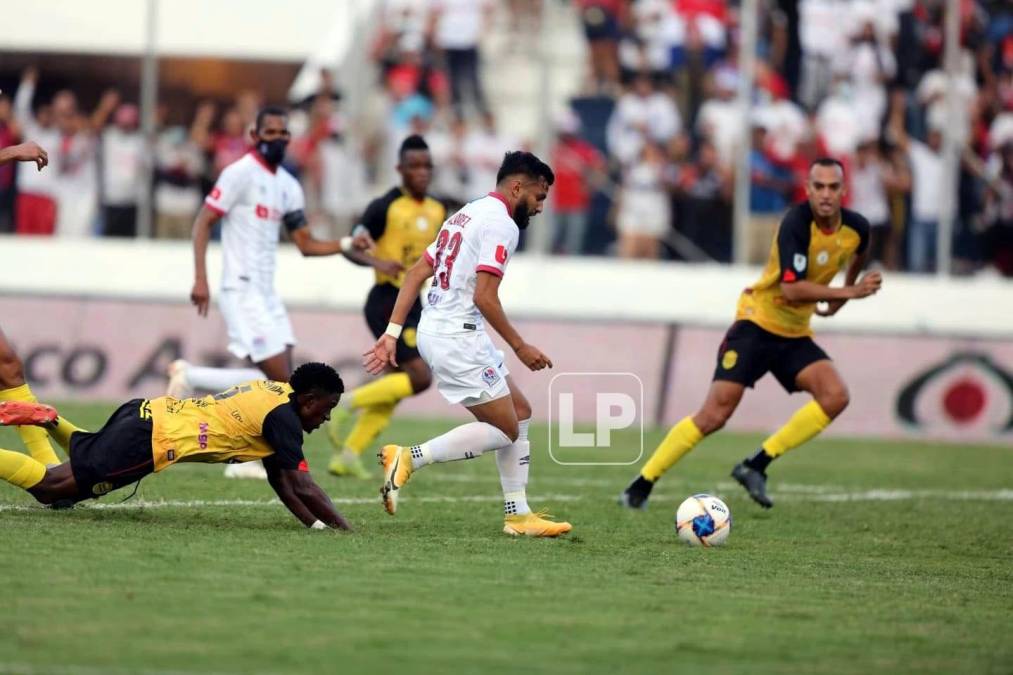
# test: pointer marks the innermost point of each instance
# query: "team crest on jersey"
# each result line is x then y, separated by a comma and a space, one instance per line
800, 262
422, 223
729, 359
822, 257
490, 376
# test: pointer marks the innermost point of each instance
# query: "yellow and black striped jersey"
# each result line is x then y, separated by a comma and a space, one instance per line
801, 251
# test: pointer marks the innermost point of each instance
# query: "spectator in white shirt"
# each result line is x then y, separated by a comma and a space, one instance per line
871, 66
36, 202
123, 154
77, 187
483, 150
641, 115
457, 28
718, 119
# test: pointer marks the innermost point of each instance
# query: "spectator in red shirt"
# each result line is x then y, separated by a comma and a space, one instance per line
577, 164
8, 137
230, 143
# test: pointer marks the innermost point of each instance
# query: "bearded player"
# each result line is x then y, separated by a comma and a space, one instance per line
467, 263
771, 333
403, 222
257, 420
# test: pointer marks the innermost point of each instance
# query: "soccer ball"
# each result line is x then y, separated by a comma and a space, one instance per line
703, 520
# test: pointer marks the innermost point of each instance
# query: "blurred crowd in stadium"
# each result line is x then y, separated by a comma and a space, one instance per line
644, 155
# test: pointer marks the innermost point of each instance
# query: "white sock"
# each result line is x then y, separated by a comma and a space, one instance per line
463, 442
513, 463
220, 379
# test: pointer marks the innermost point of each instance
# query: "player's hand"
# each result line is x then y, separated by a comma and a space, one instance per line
362, 241
381, 355
868, 285
532, 357
30, 151
833, 306
201, 296
391, 268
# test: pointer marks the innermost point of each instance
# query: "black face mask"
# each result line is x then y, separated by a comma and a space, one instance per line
273, 152
522, 216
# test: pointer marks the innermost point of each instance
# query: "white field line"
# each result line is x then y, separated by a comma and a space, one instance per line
877, 495
26, 669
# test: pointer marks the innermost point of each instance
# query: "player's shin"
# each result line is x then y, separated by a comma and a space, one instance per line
387, 390
21, 470
62, 431
464, 442
514, 462
806, 423
682, 438
34, 438
368, 426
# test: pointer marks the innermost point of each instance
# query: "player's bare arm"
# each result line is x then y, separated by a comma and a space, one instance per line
807, 291
488, 303
200, 295
311, 247
29, 151
855, 268
365, 259
383, 352
303, 497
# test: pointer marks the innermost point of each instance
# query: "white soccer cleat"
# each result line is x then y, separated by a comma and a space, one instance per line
178, 386
247, 470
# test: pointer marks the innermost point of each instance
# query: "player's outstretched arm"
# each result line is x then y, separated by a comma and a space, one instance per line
487, 302
200, 295
29, 151
303, 497
310, 247
383, 352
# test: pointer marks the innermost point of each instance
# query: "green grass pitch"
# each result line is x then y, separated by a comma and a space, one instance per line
878, 557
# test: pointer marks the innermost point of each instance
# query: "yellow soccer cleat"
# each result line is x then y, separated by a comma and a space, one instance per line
397, 469
534, 525
347, 463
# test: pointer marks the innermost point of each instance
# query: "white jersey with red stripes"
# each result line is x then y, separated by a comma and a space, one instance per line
252, 198
481, 237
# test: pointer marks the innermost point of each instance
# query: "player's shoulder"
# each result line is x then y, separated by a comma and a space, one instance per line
431, 202
855, 220
383, 202
287, 179
798, 218
240, 167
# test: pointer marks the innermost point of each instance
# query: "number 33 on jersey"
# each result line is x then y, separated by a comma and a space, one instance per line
480, 237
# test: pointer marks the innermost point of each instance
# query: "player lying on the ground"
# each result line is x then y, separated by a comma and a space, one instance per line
771, 333
259, 419
467, 262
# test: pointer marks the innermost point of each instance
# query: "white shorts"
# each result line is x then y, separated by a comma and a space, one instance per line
257, 322
468, 368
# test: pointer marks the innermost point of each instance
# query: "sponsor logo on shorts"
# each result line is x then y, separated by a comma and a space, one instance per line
433, 298
730, 358
100, 489
490, 376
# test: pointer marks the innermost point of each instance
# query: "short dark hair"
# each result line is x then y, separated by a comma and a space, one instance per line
413, 142
521, 162
827, 161
269, 111
316, 376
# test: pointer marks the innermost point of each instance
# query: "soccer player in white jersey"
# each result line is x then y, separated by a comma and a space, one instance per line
467, 262
254, 197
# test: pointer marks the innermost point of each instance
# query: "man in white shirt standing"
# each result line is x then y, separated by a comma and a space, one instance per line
457, 27
467, 262
254, 196
123, 154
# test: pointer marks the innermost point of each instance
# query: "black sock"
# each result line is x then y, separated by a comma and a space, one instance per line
641, 486
760, 461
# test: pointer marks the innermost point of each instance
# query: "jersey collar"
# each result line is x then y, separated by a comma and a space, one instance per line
261, 161
496, 195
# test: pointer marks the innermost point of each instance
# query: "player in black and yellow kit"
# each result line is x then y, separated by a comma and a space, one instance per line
403, 223
771, 333
257, 420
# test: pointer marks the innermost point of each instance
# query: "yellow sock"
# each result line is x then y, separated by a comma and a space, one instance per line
21, 470
371, 422
388, 390
807, 421
680, 440
34, 438
62, 431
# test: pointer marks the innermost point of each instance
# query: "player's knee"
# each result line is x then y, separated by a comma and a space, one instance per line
11, 372
421, 380
523, 409
509, 429
834, 400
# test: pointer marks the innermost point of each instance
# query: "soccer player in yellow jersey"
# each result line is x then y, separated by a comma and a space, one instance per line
403, 222
257, 420
771, 333
12, 378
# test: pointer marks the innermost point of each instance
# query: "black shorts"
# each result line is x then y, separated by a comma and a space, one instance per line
118, 454
748, 352
379, 306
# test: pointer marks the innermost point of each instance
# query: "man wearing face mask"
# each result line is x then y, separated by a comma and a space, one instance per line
467, 262
254, 196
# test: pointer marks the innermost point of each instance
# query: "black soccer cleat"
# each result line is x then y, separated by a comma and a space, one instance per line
755, 483
636, 494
